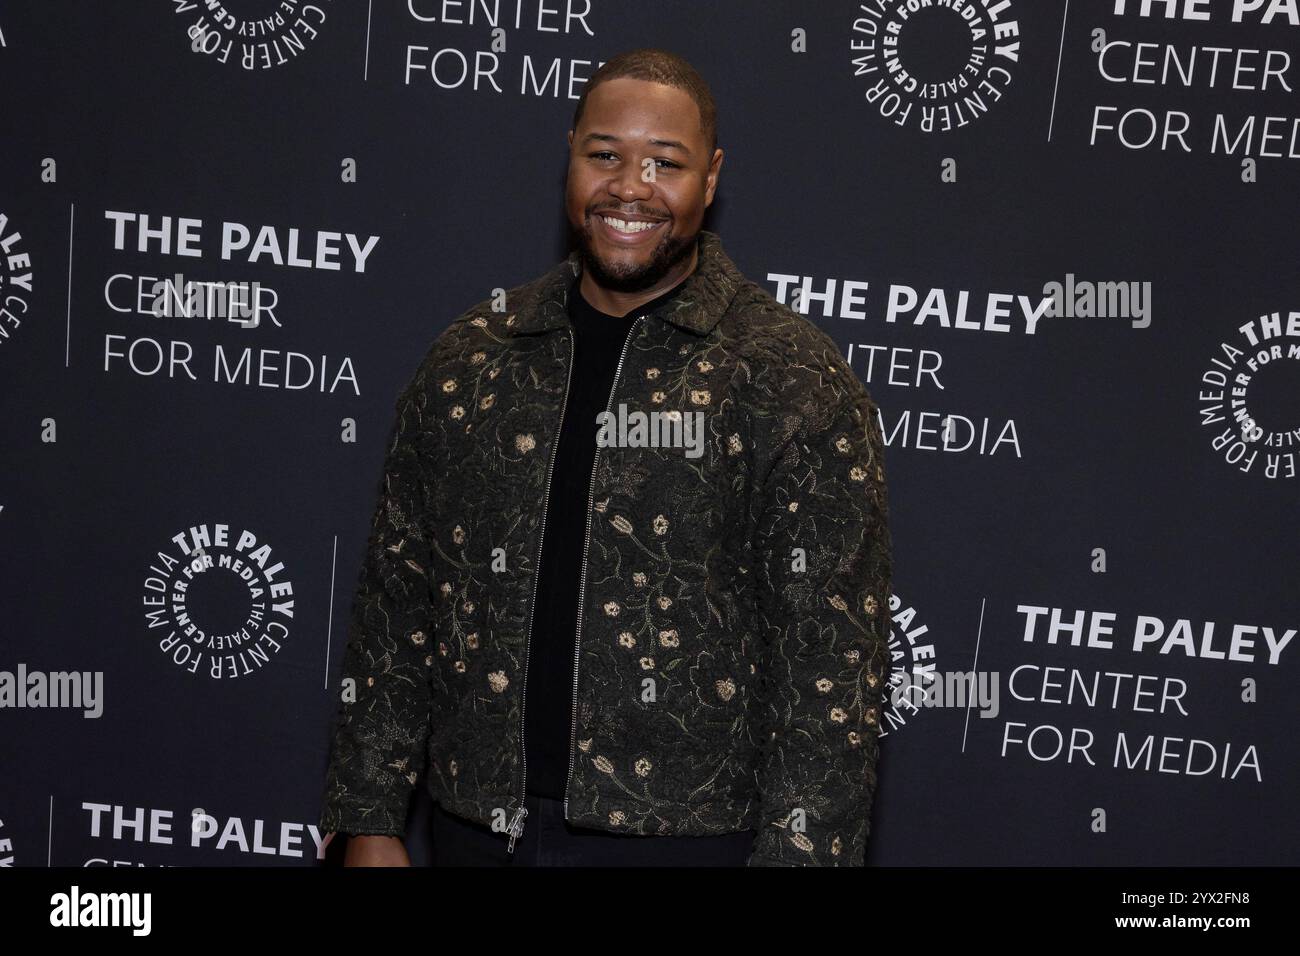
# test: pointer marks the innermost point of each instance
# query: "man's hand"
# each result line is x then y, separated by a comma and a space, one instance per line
376, 851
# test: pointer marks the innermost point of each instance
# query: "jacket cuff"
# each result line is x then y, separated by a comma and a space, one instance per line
819, 846
359, 817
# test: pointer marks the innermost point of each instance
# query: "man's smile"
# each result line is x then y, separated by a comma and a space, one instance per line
626, 230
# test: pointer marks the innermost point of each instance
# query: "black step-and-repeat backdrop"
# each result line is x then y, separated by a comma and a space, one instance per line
1057, 241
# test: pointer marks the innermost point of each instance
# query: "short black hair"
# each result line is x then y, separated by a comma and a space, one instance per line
658, 66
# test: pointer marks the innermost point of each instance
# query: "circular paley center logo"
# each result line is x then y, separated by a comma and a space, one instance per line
1249, 397
934, 66
252, 34
15, 279
219, 603
911, 669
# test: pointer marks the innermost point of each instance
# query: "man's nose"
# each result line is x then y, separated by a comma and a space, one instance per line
629, 185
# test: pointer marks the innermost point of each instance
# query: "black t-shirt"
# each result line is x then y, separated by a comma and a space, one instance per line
548, 702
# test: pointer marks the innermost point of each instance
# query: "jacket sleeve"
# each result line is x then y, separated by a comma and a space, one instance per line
822, 601
382, 726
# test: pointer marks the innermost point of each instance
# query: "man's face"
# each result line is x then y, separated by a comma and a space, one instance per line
638, 156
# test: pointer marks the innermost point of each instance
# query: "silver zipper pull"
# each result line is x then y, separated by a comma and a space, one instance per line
516, 828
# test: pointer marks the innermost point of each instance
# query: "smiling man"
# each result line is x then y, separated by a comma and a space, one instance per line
621, 646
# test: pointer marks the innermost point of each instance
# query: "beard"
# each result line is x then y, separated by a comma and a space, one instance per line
630, 277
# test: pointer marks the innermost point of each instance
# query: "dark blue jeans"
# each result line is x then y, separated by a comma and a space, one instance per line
549, 840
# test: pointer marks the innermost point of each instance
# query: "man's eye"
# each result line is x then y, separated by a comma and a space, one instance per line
606, 155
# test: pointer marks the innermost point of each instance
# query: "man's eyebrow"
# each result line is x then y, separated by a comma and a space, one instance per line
611, 138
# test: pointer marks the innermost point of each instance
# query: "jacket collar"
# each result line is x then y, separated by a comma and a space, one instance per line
707, 293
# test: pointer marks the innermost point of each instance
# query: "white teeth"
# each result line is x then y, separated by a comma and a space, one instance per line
622, 226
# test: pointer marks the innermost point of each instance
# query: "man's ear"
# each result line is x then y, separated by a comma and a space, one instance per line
715, 167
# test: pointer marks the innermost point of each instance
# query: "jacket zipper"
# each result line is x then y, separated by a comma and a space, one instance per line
517, 820
582, 586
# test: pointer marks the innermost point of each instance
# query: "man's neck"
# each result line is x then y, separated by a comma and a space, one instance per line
613, 302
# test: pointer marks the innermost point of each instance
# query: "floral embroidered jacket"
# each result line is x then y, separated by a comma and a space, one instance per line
730, 658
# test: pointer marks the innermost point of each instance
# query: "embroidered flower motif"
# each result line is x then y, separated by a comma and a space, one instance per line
838, 603
612, 608
428, 660
621, 524
842, 444
647, 663
869, 605
872, 679
704, 365
660, 524
836, 846
493, 373
734, 445
603, 765
726, 688
584, 745
871, 716
442, 648
617, 818
639, 579
658, 397
852, 655
792, 506
445, 588
471, 641
838, 715
457, 412
479, 321
699, 396
857, 474
669, 638
626, 639
854, 738
642, 767
498, 681
459, 667
467, 607
370, 682
652, 373
525, 443
449, 385
477, 357
458, 534
487, 401
417, 638
824, 684
665, 602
